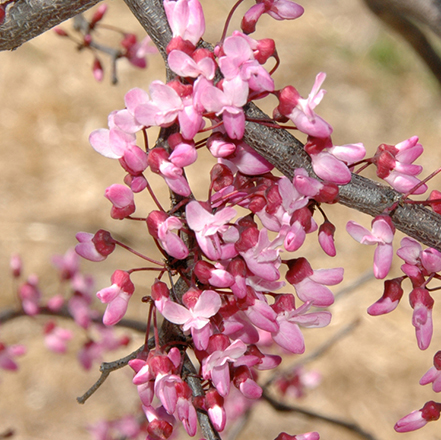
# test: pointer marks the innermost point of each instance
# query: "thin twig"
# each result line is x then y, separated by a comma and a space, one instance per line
106, 368
279, 406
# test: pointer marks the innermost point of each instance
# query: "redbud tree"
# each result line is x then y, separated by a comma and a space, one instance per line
233, 287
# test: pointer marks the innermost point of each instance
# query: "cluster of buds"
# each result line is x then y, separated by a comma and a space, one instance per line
75, 300
84, 37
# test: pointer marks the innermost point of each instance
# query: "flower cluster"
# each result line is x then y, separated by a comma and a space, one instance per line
231, 249
233, 300
129, 47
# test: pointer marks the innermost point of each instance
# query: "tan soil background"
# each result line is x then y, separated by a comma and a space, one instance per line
52, 185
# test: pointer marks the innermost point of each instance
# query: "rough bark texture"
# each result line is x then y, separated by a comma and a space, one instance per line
26, 19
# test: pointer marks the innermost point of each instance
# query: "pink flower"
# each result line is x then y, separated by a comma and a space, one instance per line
263, 258
68, 264
30, 295
208, 226
95, 247
330, 162
160, 226
422, 304
185, 66
301, 111
186, 19
114, 141
216, 366
326, 238
214, 403
7, 355
16, 265
173, 175
382, 235
392, 295
136, 51
116, 297
122, 200
433, 376
97, 70
289, 318
163, 108
277, 9
229, 103
310, 284
417, 419
56, 338
394, 165
195, 318
247, 161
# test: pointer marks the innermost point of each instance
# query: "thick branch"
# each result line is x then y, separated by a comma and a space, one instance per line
26, 19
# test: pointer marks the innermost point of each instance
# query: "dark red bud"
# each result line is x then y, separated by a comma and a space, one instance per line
104, 243
159, 290
159, 429
177, 43
431, 411
156, 157
316, 145
385, 164
288, 99
299, 269
221, 176
182, 90
265, 49
248, 239
203, 271
421, 296
436, 206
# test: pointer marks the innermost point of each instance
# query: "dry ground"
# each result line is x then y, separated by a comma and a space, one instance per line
52, 185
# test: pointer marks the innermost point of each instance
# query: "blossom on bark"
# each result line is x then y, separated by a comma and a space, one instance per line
208, 226
301, 111
216, 367
186, 19
394, 165
382, 235
116, 297
160, 226
195, 318
310, 284
289, 318
122, 200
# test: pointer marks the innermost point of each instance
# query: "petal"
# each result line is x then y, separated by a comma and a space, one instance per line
289, 337
176, 313
383, 260
330, 169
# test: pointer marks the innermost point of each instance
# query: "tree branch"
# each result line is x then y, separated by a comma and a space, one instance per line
286, 152
26, 19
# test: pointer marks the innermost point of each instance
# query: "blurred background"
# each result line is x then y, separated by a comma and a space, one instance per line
52, 184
